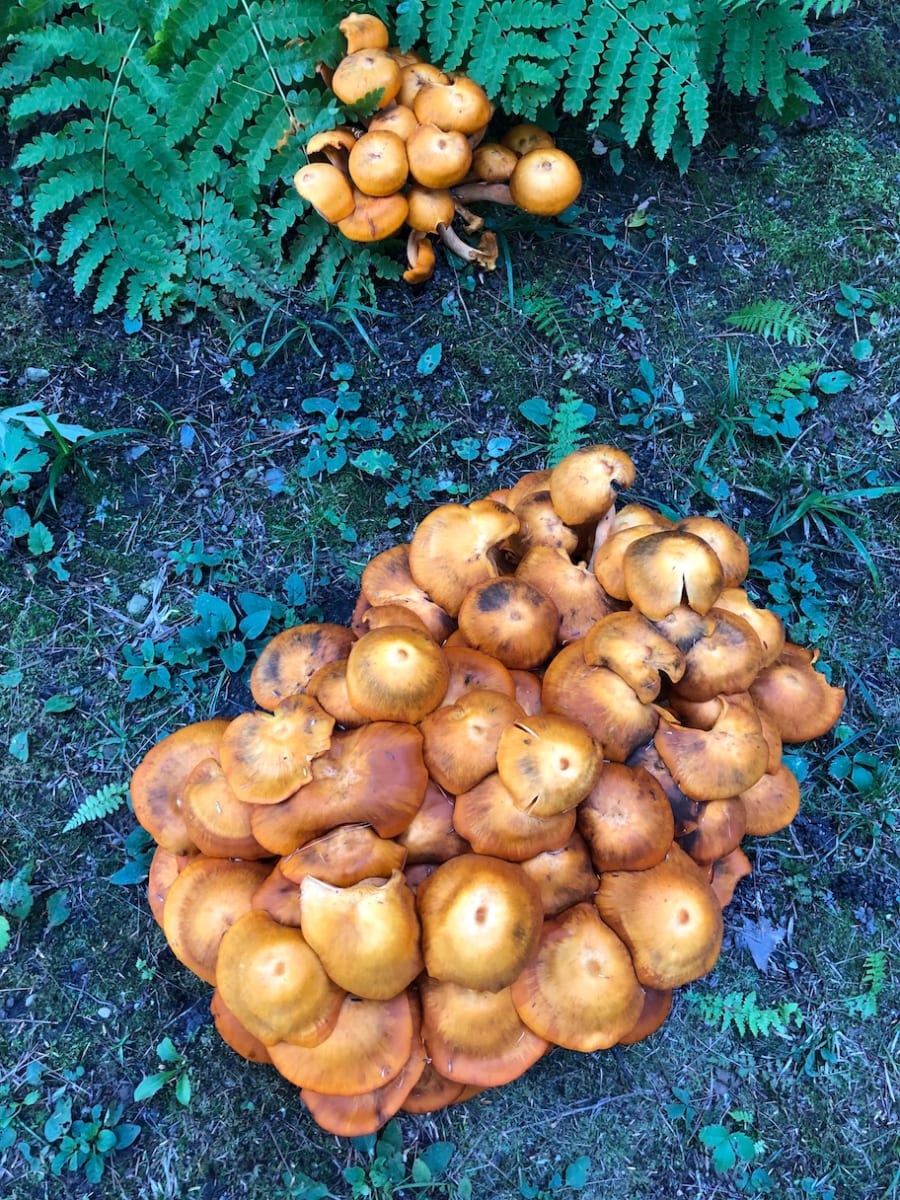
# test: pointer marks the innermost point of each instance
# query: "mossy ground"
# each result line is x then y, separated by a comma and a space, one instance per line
210, 467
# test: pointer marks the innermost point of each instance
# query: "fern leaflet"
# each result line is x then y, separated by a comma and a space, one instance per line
774, 319
102, 803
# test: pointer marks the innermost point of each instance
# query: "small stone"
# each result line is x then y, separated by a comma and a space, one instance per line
137, 604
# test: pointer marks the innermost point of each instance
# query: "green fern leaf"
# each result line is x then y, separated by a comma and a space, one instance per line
100, 246
74, 139
80, 226
616, 58
228, 119
695, 102
465, 15
710, 29
410, 22
186, 23
638, 87
102, 803
665, 110
52, 194
59, 95
114, 270
598, 24
737, 44
775, 319
312, 235
228, 52
440, 27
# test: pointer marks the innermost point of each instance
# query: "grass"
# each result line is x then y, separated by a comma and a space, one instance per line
210, 498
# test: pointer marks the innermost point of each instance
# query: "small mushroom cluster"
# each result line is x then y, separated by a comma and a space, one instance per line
421, 159
500, 812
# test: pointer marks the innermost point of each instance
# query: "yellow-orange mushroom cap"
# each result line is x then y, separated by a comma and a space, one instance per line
797, 699
364, 31
626, 819
492, 823
289, 660
580, 989
510, 620
461, 739
455, 546
665, 569
271, 979
481, 921
549, 763
628, 644
583, 485
374, 217
366, 935
219, 823
363, 72
327, 190
266, 757
717, 763
669, 918
565, 876
396, 674
545, 182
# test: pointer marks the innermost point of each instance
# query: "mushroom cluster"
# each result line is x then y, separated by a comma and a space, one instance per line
421, 158
500, 812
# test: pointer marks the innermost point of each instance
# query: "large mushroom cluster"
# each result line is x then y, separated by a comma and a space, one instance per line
500, 812
420, 160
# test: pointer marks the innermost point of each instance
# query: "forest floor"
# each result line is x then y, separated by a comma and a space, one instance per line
198, 497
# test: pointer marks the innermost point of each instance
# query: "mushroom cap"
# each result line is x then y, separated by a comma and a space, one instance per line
432, 1092
726, 660
460, 104
421, 257
669, 918
771, 803
528, 691
720, 826
628, 644
429, 208
716, 763
204, 900
510, 620
438, 158
583, 484
663, 569
343, 856
160, 776
386, 579
565, 876
471, 669
455, 546
164, 867
461, 739
366, 71
540, 525
481, 921
545, 182
726, 873
289, 660
377, 163
599, 700
364, 31
396, 674
548, 763
366, 935
278, 897
525, 137
271, 979
266, 757
398, 118
767, 625
580, 600
328, 687
476, 1036
729, 547
218, 823
580, 989
430, 837
326, 188
341, 139
374, 217
626, 820
493, 162
493, 823
415, 76
656, 1007
368, 1047
608, 562
233, 1033
797, 699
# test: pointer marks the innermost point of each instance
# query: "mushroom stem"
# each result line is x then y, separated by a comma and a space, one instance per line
471, 221
497, 193
485, 253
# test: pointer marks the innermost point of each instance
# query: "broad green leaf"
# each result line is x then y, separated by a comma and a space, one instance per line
430, 359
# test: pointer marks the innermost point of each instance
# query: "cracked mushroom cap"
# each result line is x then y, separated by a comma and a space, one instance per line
366, 935
669, 568
545, 182
481, 921
580, 989
289, 660
374, 217
583, 486
366, 71
415, 76
717, 763
456, 546
626, 820
461, 739
159, 778
548, 763
369, 1046
475, 1036
797, 699
510, 620
271, 979
266, 757
628, 644
492, 823
730, 548
396, 674
326, 188
204, 900
668, 917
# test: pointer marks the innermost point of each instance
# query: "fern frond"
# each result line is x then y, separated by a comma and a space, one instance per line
775, 319
792, 380
186, 23
600, 20
616, 58
60, 95
665, 111
568, 426
102, 803
465, 15
410, 22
